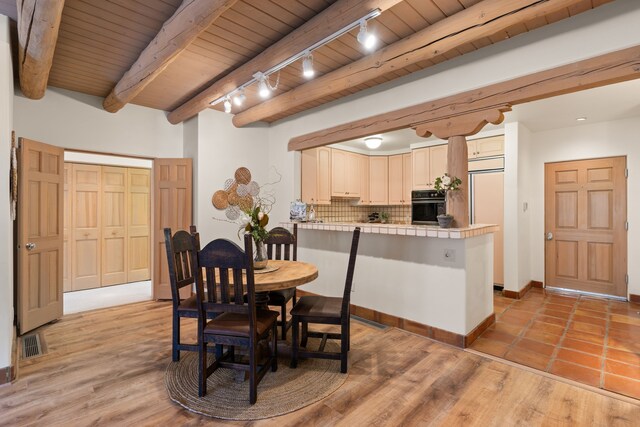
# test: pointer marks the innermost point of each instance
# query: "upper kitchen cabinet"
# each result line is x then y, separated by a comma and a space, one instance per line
486, 147
316, 176
400, 179
428, 163
364, 179
379, 180
345, 174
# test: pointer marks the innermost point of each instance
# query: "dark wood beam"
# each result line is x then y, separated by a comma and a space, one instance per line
176, 34
478, 21
38, 25
602, 70
337, 16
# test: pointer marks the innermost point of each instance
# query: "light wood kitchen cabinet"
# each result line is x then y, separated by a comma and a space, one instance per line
345, 174
400, 179
437, 162
486, 147
364, 179
428, 163
316, 176
379, 180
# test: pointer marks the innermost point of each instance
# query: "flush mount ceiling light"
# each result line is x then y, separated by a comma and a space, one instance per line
581, 119
365, 38
307, 66
227, 105
239, 98
373, 142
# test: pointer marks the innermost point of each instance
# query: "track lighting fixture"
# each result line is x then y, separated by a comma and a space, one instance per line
227, 104
265, 87
365, 38
239, 98
307, 65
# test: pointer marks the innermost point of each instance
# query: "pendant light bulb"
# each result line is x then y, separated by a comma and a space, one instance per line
239, 98
227, 105
365, 38
307, 66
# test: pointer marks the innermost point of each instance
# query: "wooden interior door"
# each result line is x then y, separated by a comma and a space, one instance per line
585, 220
40, 234
85, 240
172, 195
114, 232
68, 221
139, 224
488, 208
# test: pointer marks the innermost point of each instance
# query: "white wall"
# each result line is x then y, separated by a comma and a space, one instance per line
517, 260
6, 225
221, 149
74, 120
606, 139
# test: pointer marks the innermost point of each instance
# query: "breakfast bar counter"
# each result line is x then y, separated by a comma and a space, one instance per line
429, 280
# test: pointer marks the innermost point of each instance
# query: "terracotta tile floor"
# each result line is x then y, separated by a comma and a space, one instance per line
591, 340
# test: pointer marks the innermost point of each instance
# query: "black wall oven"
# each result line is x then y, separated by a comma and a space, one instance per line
426, 205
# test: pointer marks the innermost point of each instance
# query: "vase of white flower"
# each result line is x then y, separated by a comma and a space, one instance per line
445, 184
255, 221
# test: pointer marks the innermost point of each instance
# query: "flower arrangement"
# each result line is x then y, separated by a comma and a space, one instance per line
254, 221
446, 183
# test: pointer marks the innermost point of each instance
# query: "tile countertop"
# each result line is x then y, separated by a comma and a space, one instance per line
399, 229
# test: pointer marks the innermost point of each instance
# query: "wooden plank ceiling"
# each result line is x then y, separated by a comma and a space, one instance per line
99, 40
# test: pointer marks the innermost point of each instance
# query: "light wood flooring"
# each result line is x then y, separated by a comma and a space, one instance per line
106, 367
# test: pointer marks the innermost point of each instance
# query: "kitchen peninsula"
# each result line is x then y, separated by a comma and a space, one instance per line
428, 280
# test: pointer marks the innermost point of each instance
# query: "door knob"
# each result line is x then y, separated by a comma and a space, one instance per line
30, 246
549, 236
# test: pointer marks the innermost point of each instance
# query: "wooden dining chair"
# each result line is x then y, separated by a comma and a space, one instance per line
229, 271
179, 248
327, 311
283, 245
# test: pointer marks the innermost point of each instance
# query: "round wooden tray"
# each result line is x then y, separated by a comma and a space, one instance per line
268, 269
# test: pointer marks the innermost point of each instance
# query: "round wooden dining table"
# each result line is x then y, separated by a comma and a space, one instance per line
287, 274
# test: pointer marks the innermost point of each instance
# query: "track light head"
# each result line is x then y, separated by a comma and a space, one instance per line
227, 104
263, 87
239, 98
365, 38
307, 66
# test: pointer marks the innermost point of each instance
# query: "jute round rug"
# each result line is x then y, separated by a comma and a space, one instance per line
279, 393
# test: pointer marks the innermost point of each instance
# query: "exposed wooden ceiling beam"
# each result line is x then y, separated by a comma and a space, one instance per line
184, 26
332, 19
480, 20
602, 70
38, 25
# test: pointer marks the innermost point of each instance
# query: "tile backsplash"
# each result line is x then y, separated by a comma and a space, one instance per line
344, 210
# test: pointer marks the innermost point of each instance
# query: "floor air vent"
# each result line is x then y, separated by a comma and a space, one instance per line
32, 346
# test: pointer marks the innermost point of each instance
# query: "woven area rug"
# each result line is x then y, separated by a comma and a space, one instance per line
279, 393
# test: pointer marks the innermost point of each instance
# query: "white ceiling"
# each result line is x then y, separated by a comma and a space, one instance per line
613, 102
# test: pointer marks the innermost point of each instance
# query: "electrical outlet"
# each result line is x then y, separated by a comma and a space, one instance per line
450, 255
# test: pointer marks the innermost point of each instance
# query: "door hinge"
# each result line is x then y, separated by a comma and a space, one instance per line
626, 173
626, 225
626, 279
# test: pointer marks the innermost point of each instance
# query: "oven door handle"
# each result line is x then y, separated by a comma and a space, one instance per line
427, 202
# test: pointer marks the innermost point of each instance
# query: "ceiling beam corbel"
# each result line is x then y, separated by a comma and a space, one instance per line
177, 33
480, 20
463, 125
38, 25
332, 19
